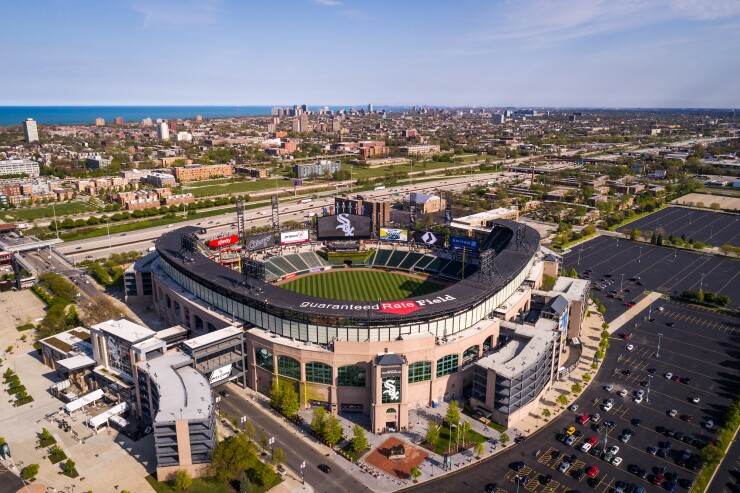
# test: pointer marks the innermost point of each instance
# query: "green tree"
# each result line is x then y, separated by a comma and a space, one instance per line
249, 429
634, 234
278, 457
465, 429
30, 471
432, 435
415, 473
504, 439
546, 413
605, 326
333, 432
573, 273
576, 388
291, 403
359, 440
602, 309
245, 485
318, 422
69, 465
479, 449
181, 480
230, 457
276, 396
562, 400
453, 413
715, 206
605, 334
45, 435
586, 377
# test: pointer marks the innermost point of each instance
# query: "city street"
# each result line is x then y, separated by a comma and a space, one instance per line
296, 450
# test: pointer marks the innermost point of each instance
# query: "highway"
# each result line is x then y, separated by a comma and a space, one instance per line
102, 246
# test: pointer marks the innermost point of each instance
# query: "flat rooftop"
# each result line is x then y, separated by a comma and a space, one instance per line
183, 392
523, 350
125, 329
212, 338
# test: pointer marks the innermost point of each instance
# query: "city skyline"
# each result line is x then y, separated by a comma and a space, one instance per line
537, 53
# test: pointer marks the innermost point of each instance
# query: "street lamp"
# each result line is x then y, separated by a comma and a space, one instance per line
701, 282
303, 466
650, 384
657, 353
621, 283
639, 258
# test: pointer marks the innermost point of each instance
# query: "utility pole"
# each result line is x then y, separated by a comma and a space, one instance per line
657, 353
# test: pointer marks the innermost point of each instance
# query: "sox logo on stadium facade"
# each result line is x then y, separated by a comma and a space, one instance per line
390, 390
345, 225
429, 238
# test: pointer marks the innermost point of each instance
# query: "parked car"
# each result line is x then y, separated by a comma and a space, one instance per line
573, 407
623, 393
570, 430
709, 424
616, 461
324, 468
564, 466
592, 471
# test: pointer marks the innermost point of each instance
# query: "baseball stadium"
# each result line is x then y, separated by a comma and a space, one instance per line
367, 319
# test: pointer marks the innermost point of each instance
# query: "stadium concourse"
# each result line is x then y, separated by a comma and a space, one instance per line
491, 335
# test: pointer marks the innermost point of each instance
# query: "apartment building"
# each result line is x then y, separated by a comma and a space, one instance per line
198, 172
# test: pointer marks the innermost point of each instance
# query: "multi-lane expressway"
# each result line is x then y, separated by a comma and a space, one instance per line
141, 240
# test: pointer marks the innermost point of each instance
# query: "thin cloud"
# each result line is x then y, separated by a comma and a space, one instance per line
328, 3
177, 13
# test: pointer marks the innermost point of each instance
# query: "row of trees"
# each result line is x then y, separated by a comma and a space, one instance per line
706, 297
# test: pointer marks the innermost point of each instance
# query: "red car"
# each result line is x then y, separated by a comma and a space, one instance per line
592, 471
687, 418
658, 479
628, 303
584, 418
676, 378
593, 441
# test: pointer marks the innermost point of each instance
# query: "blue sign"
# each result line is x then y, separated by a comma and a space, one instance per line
460, 242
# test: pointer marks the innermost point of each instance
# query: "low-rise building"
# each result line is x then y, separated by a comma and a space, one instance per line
97, 162
19, 167
196, 172
419, 150
317, 169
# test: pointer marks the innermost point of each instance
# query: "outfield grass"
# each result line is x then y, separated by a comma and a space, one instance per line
361, 285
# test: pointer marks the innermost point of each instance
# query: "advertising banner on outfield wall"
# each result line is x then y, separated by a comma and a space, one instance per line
390, 234
292, 237
226, 240
343, 226
259, 242
429, 238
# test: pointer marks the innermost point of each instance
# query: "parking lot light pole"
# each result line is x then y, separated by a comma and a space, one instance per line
650, 384
621, 283
701, 282
639, 257
657, 353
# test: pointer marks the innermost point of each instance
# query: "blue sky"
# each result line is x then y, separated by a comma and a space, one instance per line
589, 53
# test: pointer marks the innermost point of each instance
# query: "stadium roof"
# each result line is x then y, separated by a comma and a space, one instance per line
287, 304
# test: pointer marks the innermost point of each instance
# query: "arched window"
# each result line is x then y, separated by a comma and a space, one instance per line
447, 365
318, 373
351, 376
263, 359
470, 354
288, 367
420, 371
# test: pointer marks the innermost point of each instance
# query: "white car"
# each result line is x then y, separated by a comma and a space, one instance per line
609, 388
607, 406
672, 413
695, 400
623, 393
616, 461
638, 399
564, 466
614, 449
709, 424
630, 347
640, 393
573, 407
669, 375
585, 447
661, 308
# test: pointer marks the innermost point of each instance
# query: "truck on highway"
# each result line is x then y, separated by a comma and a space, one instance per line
150, 249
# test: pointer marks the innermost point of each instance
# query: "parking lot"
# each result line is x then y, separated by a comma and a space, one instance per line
713, 228
662, 269
699, 345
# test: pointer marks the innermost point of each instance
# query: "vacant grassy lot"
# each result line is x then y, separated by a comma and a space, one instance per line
46, 211
361, 285
231, 186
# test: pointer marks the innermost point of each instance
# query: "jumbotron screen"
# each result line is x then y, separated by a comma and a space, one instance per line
343, 227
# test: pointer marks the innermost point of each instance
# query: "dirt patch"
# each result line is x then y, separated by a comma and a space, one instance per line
400, 468
726, 203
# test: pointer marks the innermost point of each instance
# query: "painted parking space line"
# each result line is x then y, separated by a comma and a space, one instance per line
545, 458
551, 487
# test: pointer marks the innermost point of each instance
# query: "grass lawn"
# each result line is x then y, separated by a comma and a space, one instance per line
471, 439
71, 474
234, 186
198, 486
21, 328
23, 402
46, 211
15, 390
361, 285
355, 456
47, 443
57, 458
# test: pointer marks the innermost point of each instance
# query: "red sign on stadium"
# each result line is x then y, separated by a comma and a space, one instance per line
399, 307
226, 240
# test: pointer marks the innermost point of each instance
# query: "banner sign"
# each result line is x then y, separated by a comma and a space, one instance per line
391, 390
220, 374
292, 237
390, 234
343, 226
259, 242
226, 240
429, 238
460, 242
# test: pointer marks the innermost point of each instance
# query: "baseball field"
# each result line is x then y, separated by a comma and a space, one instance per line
361, 285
